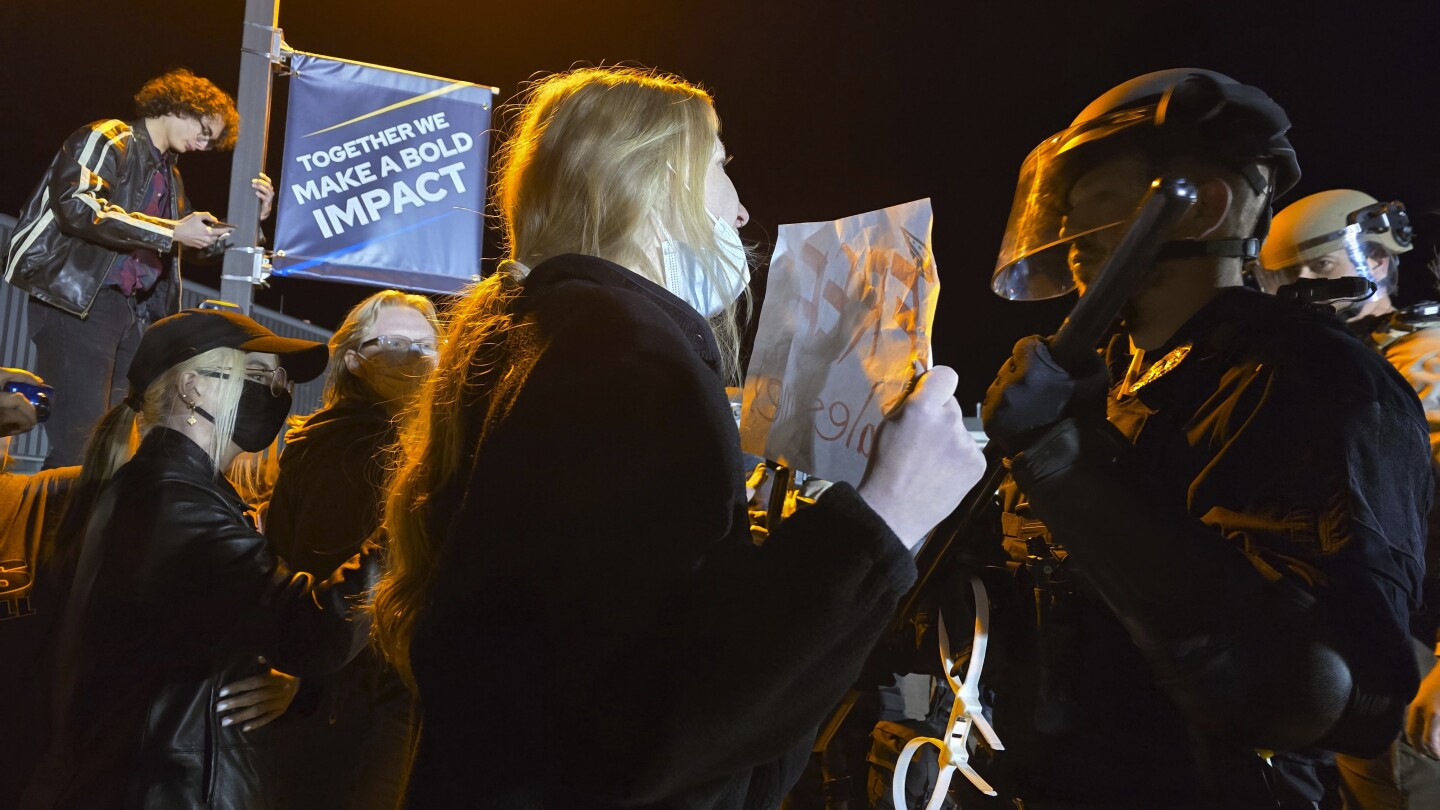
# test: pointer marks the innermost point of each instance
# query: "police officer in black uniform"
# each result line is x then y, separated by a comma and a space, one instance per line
1233, 500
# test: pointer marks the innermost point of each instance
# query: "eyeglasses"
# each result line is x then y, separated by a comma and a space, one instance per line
273, 378
399, 343
206, 136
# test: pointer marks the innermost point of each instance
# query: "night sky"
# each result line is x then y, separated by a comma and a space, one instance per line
830, 108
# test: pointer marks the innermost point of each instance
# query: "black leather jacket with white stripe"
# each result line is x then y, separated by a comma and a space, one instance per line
82, 218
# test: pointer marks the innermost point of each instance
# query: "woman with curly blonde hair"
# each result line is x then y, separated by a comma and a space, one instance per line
571, 585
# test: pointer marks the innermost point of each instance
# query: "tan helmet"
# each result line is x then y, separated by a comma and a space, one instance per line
1339, 219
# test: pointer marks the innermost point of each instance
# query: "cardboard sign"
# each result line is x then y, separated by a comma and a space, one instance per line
846, 325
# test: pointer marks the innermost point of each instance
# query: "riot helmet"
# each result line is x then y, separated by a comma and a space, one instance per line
1179, 113
1334, 234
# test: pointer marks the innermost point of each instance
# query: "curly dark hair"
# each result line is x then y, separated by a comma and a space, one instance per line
184, 94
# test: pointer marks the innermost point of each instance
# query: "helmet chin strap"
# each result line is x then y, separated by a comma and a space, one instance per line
1247, 249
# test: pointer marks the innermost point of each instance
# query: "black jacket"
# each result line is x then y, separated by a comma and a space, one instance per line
602, 630
344, 732
330, 489
83, 217
1256, 540
175, 595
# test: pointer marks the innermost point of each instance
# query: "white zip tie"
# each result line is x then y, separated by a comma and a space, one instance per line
966, 713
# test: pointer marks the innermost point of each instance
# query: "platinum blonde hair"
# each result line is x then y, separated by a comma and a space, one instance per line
119, 431
162, 398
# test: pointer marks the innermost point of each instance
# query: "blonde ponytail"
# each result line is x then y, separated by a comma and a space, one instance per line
432, 445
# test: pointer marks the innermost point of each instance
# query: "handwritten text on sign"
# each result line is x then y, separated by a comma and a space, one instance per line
848, 311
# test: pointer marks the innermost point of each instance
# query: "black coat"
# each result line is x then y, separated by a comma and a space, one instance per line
1275, 458
344, 733
603, 632
176, 596
329, 493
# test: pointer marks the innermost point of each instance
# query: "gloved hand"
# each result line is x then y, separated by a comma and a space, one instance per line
1032, 392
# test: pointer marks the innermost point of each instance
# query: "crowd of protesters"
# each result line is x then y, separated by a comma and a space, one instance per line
1208, 574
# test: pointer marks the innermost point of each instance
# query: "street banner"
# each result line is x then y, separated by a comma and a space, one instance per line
384, 176
845, 327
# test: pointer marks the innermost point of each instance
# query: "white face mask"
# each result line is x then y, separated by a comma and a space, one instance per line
686, 278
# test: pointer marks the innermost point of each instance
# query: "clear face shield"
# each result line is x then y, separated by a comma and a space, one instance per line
1033, 263
1341, 253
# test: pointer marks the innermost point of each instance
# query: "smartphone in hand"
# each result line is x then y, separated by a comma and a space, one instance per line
39, 396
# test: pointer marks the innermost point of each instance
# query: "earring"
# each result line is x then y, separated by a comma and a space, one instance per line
191, 419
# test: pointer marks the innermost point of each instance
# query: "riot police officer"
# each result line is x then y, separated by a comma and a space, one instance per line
1348, 234
1237, 494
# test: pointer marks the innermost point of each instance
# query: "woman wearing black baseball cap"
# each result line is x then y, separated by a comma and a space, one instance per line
174, 595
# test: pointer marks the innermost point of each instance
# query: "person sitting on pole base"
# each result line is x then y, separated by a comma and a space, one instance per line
97, 245
1338, 235
1235, 496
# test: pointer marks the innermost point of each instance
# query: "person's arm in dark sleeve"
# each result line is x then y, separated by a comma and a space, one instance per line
711, 655
83, 179
793, 623
303, 626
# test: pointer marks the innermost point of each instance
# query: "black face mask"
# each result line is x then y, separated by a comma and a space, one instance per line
258, 416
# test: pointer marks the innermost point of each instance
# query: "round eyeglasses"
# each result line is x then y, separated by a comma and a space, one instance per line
274, 379
400, 343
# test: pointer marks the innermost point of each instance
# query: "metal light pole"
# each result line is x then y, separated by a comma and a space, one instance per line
260, 51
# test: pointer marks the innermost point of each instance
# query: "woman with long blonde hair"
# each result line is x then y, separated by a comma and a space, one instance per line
349, 752
571, 584
176, 611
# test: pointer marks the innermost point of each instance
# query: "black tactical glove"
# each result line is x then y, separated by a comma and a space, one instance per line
1032, 392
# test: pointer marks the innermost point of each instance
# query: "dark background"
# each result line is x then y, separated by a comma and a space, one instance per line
830, 108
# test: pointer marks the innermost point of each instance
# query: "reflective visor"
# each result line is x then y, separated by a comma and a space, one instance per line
1034, 262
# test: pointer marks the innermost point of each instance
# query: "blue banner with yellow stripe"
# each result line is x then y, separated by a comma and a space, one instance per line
384, 176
